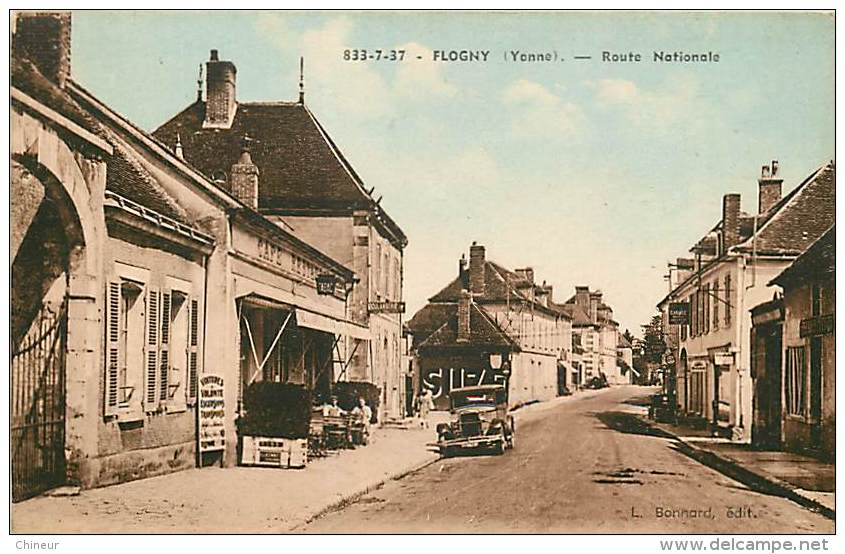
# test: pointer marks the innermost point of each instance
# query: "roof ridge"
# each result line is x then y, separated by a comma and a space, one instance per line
788, 199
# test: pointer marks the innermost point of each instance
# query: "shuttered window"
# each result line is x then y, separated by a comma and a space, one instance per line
193, 342
125, 340
164, 346
796, 378
729, 305
112, 388
716, 301
151, 349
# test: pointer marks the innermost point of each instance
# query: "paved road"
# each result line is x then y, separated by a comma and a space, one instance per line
587, 465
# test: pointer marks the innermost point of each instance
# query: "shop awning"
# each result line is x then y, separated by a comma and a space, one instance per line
319, 322
259, 301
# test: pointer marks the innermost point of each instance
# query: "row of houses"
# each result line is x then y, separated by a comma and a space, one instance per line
156, 275
492, 325
749, 318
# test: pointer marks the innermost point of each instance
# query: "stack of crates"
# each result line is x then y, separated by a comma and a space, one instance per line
273, 452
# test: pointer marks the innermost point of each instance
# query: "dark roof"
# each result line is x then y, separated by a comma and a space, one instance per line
430, 318
799, 218
791, 225
817, 264
300, 166
126, 176
483, 332
622, 342
576, 313
501, 285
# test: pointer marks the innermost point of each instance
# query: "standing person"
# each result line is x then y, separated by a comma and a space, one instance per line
426, 405
364, 414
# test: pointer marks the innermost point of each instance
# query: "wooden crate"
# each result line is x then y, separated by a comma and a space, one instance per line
273, 452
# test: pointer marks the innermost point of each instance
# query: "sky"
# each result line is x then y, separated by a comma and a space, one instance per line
593, 173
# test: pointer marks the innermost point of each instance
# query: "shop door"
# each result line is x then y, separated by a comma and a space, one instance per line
774, 354
38, 405
815, 391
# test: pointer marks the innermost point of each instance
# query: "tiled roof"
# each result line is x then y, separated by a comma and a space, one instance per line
799, 218
127, 177
500, 286
622, 342
430, 318
300, 166
818, 263
483, 332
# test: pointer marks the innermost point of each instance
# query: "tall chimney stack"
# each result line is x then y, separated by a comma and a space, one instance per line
582, 297
220, 100
477, 264
770, 187
730, 220
244, 178
464, 304
44, 38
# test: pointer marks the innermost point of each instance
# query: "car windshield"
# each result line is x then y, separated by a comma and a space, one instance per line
474, 398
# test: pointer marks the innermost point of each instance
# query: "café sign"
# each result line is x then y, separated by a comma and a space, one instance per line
386, 307
679, 313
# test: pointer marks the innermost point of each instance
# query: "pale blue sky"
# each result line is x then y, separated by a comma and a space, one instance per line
592, 173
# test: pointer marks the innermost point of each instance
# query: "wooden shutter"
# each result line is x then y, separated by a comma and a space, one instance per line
193, 340
152, 369
112, 381
164, 346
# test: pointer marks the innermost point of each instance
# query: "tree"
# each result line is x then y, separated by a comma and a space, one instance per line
654, 345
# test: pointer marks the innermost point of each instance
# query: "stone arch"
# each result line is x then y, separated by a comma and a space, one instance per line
72, 174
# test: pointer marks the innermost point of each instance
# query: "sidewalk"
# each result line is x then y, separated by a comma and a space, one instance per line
247, 499
803, 479
235, 499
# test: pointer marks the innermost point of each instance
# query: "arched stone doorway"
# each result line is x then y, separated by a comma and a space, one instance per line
54, 260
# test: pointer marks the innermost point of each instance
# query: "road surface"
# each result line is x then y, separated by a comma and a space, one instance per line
588, 465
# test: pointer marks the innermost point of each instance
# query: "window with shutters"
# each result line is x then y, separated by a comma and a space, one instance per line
192, 351
728, 306
706, 296
717, 300
178, 351
125, 349
151, 351
796, 378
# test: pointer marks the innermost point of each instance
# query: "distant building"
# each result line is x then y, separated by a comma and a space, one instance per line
734, 264
307, 186
794, 355
625, 359
491, 325
593, 324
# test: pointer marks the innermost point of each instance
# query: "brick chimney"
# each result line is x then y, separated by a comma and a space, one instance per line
770, 187
464, 304
220, 100
595, 300
44, 38
244, 179
463, 274
477, 264
582, 297
730, 221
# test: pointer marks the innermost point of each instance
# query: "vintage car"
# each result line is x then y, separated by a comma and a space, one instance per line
480, 419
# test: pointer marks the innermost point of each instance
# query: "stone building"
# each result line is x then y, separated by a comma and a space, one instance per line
731, 273
307, 187
491, 325
132, 278
794, 356
597, 333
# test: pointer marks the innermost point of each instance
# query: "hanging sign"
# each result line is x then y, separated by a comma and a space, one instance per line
326, 284
211, 414
679, 313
